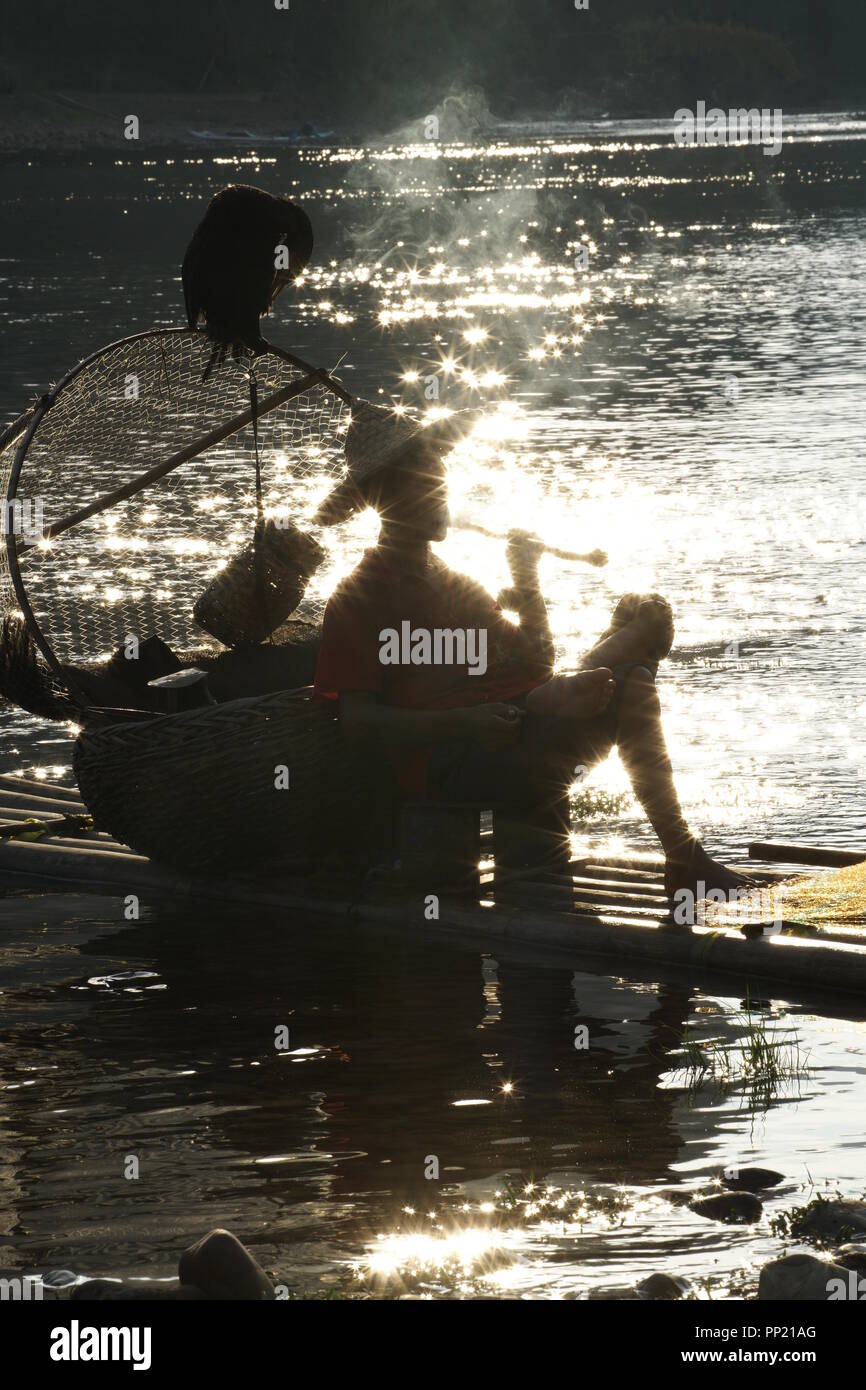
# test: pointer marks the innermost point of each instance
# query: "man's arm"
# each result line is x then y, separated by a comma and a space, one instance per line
363, 717
532, 642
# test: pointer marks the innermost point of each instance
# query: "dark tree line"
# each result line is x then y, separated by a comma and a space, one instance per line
388, 59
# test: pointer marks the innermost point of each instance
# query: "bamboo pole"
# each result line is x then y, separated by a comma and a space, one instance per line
820, 855
589, 557
8, 781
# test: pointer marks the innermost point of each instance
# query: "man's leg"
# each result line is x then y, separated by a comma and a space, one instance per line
527, 784
587, 692
644, 754
579, 696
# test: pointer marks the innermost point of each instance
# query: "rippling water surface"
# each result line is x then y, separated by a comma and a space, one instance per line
687, 395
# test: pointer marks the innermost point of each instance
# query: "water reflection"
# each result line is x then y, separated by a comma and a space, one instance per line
550, 1155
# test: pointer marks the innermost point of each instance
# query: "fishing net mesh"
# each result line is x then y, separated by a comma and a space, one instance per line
137, 568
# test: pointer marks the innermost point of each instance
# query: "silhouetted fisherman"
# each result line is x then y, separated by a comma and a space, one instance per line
247, 247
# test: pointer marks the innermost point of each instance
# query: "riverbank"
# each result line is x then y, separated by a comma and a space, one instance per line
43, 122
78, 122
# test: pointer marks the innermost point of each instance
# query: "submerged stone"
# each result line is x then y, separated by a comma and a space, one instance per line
740, 1208
751, 1179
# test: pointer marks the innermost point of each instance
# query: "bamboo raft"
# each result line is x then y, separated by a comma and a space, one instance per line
193, 784
610, 909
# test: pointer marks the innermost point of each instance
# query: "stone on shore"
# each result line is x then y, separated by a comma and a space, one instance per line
798, 1278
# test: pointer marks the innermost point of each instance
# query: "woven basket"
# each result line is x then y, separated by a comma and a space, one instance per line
258, 589
198, 790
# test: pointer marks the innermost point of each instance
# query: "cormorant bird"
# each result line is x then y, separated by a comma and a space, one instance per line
233, 268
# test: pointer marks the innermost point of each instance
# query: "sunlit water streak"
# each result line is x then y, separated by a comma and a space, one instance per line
691, 401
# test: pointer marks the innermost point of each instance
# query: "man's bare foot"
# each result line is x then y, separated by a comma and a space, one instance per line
646, 624
694, 871
578, 696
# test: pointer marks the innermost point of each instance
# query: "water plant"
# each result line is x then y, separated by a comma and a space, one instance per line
760, 1059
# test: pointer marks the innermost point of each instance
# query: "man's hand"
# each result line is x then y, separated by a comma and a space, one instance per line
523, 553
493, 726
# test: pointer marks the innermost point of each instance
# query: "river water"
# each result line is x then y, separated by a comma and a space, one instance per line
687, 394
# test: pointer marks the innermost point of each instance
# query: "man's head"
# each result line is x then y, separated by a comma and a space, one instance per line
411, 494
396, 466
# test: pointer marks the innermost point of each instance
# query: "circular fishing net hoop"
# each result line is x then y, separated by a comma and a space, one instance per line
135, 568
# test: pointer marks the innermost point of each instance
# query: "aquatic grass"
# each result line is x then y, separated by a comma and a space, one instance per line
792, 1222
756, 1060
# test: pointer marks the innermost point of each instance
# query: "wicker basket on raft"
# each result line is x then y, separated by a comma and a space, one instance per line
205, 789
229, 786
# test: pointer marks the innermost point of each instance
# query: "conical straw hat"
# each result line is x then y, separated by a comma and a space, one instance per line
378, 436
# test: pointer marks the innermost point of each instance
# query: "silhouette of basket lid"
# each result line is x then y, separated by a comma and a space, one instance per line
378, 436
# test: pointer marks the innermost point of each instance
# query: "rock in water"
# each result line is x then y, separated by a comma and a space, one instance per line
799, 1278
662, 1286
675, 1197
750, 1179
734, 1207
59, 1279
223, 1267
